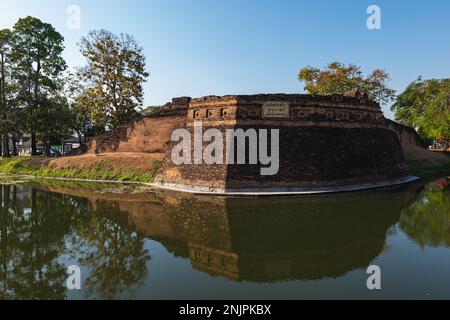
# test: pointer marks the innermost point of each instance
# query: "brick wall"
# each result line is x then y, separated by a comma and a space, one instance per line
324, 141
406, 134
148, 135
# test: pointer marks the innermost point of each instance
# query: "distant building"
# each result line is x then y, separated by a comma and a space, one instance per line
70, 144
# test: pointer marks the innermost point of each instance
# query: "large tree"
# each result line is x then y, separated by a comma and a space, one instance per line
115, 75
55, 121
38, 62
338, 78
72, 93
425, 105
5, 89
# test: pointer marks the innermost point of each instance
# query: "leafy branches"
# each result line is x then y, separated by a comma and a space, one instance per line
338, 78
425, 105
115, 74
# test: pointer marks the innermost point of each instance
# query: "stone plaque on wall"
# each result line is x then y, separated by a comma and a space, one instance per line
275, 109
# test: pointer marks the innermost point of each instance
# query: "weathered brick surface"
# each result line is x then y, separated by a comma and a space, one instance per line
324, 141
407, 135
148, 135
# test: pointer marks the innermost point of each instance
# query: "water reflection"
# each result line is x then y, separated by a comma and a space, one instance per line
304, 238
427, 221
39, 229
43, 228
33, 226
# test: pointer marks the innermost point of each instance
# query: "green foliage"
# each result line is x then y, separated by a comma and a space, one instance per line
37, 64
37, 51
115, 74
425, 105
38, 98
7, 119
37, 238
427, 221
429, 170
341, 79
151, 110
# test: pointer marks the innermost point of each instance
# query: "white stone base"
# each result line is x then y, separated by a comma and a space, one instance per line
283, 191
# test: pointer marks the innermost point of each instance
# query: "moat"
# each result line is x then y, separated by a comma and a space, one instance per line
166, 245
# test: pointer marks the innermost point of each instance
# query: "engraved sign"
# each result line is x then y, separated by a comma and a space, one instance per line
275, 109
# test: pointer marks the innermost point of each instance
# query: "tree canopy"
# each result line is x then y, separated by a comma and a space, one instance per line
6, 88
40, 99
338, 78
114, 75
425, 105
37, 64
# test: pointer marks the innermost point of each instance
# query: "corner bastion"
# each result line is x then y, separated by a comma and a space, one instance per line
326, 143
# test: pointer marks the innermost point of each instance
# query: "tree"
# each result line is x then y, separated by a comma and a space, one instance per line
81, 124
338, 78
38, 62
5, 89
115, 75
425, 105
54, 121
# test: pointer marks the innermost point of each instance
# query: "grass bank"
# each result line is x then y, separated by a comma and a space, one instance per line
136, 167
114, 167
426, 170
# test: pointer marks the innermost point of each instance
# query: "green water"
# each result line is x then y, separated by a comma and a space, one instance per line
175, 246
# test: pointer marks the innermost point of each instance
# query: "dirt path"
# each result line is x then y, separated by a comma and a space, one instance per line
417, 154
118, 161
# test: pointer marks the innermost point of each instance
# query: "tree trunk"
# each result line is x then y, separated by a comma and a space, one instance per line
5, 142
36, 106
4, 126
33, 144
47, 149
14, 143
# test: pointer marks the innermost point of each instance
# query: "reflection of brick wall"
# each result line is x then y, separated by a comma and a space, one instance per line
215, 262
257, 239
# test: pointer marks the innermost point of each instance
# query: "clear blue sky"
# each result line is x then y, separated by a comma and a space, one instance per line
204, 47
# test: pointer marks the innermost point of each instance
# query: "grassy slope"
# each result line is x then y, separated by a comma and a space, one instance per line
142, 167
426, 164
120, 168
425, 170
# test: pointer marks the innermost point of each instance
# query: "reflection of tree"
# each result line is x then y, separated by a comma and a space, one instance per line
427, 221
31, 240
116, 257
40, 230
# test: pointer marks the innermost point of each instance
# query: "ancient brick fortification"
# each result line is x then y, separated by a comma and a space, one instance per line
148, 135
407, 135
324, 141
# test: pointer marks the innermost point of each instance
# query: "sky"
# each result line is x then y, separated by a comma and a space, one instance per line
218, 47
